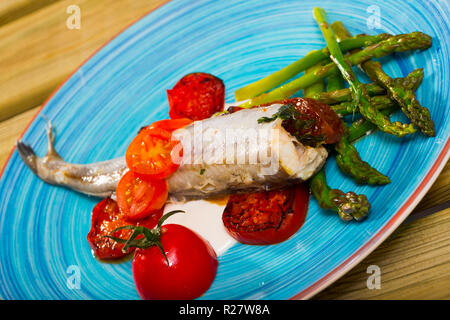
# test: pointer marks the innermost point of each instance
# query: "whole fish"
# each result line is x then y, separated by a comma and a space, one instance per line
221, 155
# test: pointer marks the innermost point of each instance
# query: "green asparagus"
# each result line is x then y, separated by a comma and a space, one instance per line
335, 82
316, 87
406, 98
359, 94
399, 43
275, 79
344, 95
350, 163
348, 205
362, 127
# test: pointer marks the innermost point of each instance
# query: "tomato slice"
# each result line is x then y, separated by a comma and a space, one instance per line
139, 196
106, 217
150, 153
170, 124
266, 217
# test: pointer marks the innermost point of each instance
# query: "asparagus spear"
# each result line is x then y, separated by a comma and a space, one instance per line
342, 95
363, 127
405, 97
335, 82
359, 94
348, 205
346, 108
314, 57
399, 43
316, 87
350, 163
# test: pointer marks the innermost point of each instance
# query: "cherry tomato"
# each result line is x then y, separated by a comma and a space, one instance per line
139, 196
171, 124
150, 153
106, 217
196, 96
326, 122
191, 270
266, 217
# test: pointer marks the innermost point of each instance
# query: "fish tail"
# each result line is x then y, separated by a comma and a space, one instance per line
28, 155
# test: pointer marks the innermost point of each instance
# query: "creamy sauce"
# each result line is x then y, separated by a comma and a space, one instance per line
205, 218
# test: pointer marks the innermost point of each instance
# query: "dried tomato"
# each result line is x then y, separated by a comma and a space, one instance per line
106, 217
196, 96
266, 217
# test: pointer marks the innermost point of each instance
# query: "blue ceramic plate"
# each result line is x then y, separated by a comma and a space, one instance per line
122, 87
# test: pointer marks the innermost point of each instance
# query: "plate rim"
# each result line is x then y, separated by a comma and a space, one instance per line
344, 267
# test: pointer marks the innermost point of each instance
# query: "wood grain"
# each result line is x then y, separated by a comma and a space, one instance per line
11, 10
414, 263
38, 51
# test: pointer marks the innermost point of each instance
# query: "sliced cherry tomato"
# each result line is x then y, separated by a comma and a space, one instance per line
106, 217
196, 96
139, 196
266, 217
170, 124
326, 123
150, 153
188, 273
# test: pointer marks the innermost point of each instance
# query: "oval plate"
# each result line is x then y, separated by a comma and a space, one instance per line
122, 87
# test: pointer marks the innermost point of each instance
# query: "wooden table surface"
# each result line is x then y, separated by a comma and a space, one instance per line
38, 51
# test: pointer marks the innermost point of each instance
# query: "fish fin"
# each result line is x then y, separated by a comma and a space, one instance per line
51, 153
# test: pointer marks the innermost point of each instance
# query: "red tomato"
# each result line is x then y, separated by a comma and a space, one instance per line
139, 196
106, 217
266, 217
196, 96
191, 270
150, 153
327, 122
170, 124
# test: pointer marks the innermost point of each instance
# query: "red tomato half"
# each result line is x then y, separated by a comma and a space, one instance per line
266, 217
150, 153
171, 124
106, 217
191, 270
196, 96
139, 196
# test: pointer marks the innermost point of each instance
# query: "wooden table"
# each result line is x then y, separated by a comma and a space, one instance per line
38, 51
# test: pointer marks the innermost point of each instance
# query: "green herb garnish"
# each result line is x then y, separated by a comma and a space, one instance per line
293, 122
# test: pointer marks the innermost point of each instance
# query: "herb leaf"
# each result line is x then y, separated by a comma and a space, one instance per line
296, 124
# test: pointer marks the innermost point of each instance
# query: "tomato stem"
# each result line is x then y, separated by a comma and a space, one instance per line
150, 237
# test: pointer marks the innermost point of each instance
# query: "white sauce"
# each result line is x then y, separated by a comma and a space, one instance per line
205, 218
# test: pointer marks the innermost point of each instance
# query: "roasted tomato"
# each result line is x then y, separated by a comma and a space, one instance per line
266, 217
325, 122
150, 153
139, 196
196, 96
106, 217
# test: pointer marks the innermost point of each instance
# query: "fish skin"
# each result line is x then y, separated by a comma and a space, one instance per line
200, 175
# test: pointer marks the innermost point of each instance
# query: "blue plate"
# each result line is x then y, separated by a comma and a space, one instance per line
97, 111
